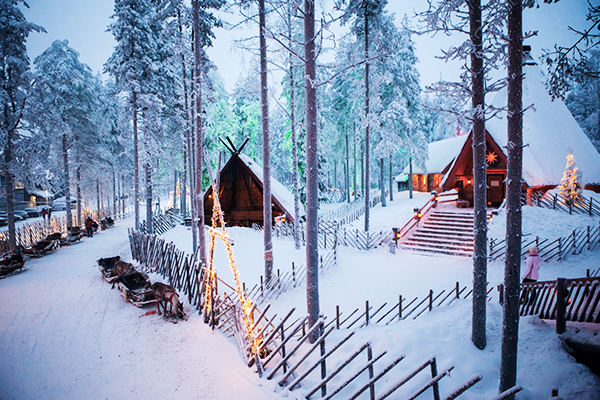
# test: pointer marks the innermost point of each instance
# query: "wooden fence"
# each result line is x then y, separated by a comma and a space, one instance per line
161, 223
557, 201
582, 299
32, 232
331, 234
401, 310
580, 239
280, 349
155, 255
285, 354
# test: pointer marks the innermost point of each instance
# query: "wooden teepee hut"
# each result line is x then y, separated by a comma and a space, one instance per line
241, 193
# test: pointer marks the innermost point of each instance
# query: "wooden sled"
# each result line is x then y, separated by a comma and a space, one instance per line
7, 270
42, 247
107, 268
73, 236
136, 289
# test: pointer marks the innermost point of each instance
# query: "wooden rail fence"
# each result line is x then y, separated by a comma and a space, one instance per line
400, 310
580, 239
161, 223
184, 272
557, 201
582, 299
285, 355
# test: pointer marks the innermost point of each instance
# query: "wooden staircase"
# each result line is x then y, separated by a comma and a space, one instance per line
445, 231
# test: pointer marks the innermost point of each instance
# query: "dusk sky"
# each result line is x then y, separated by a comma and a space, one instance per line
83, 23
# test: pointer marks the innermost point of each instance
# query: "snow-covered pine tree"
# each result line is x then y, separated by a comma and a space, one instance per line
63, 104
570, 184
14, 64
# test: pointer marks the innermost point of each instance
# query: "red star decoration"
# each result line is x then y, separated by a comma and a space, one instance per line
491, 158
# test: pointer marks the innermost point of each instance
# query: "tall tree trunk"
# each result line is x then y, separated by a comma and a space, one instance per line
67, 181
512, 266
98, 198
136, 179
78, 193
347, 165
312, 170
183, 183
10, 202
382, 183
479, 180
294, 135
355, 169
149, 225
391, 181
199, 137
114, 194
264, 99
119, 195
367, 128
175, 189
410, 178
123, 192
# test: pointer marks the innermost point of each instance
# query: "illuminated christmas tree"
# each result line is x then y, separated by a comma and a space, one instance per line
570, 184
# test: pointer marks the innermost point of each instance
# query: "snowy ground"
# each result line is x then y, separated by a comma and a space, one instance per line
66, 334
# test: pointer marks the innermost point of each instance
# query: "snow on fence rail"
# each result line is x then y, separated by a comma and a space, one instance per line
580, 239
557, 201
401, 310
352, 211
286, 355
331, 234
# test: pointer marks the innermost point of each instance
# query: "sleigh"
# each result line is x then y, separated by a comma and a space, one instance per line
107, 268
73, 236
136, 289
11, 269
107, 223
44, 246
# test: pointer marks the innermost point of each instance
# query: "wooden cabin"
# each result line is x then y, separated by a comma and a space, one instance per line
550, 133
241, 194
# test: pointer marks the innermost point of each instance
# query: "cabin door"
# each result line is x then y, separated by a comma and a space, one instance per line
495, 192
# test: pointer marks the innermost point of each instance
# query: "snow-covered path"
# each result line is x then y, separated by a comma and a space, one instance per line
65, 334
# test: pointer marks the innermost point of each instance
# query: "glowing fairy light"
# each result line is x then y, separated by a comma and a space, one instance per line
217, 231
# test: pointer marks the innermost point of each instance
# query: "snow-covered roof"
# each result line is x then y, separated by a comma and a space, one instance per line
280, 192
549, 133
441, 154
40, 192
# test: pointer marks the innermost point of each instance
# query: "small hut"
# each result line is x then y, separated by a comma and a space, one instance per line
241, 194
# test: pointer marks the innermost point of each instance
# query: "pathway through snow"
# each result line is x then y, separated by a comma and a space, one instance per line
66, 334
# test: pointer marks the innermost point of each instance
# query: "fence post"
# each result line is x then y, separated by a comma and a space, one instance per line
293, 274
457, 290
400, 308
561, 305
554, 203
430, 299
337, 314
283, 348
371, 374
590, 208
367, 313
436, 388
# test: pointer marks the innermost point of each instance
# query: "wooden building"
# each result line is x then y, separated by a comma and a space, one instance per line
241, 194
550, 133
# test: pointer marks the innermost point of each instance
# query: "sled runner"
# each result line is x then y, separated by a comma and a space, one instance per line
107, 268
136, 288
